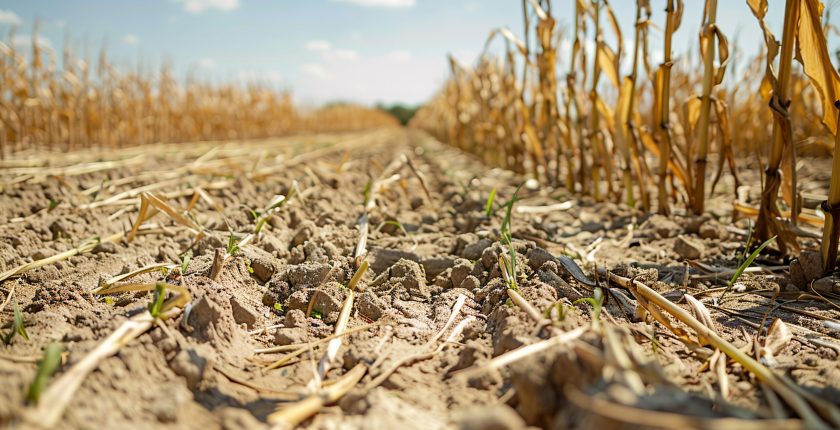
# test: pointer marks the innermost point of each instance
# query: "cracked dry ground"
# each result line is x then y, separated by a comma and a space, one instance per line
426, 252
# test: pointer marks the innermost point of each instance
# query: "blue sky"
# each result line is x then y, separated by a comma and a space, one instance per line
322, 50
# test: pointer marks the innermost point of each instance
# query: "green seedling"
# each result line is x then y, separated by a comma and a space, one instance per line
366, 192
317, 314
159, 296
46, 367
278, 307
232, 245
248, 266
597, 301
748, 242
53, 204
108, 300
654, 339
744, 265
396, 224
17, 326
509, 264
185, 263
561, 311
488, 208
261, 218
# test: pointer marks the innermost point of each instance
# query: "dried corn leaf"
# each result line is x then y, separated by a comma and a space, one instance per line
812, 52
778, 337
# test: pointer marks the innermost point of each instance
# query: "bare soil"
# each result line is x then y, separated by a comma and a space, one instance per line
204, 371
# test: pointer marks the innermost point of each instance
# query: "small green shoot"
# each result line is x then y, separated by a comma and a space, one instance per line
232, 245
261, 218
185, 263
53, 204
367, 190
396, 224
597, 301
488, 208
654, 339
317, 314
108, 300
248, 266
748, 242
278, 307
46, 367
17, 326
507, 239
156, 306
744, 265
561, 311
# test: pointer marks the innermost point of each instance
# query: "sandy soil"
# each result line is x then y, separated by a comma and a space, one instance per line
203, 368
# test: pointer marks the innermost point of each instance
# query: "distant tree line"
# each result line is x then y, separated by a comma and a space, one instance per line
401, 112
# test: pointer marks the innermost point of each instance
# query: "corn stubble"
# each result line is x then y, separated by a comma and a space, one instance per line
649, 136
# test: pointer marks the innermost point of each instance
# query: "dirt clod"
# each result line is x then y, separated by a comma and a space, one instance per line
689, 248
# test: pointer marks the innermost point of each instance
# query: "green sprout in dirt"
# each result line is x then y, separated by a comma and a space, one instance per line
53, 204
744, 266
17, 326
367, 190
159, 296
248, 266
317, 314
488, 208
654, 339
46, 367
561, 311
232, 245
396, 224
509, 263
278, 307
185, 263
262, 217
597, 302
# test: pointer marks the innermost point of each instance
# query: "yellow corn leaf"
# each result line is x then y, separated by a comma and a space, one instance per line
692, 111
625, 102
608, 62
678, 12
604, 109
813, 54
723, 54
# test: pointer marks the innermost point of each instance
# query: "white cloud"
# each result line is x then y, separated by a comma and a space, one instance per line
318, 46
377, 78
207, 63
24, 41
198, 6
328, 53
400, 55
346, 54
130, 39
380, 3
316, 70
259, 76
9, 17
